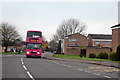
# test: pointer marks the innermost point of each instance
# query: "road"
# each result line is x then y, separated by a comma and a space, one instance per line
18, 67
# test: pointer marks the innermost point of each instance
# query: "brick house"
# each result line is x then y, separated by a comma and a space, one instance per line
102, 40
115, 36
12, 48
79, 44
72, 43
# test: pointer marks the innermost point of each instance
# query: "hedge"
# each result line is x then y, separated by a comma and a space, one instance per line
92, 55
103, 55
113, 56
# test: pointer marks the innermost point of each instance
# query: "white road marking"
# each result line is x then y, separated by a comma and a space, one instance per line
64, 65
58, 63
68, 66
80, 69
96, 73
27, 70
30, 75
87, 71
22, 63
54, 61
21, 59
24, 67
107, 76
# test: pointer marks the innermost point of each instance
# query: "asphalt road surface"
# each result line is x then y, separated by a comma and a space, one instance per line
18, 67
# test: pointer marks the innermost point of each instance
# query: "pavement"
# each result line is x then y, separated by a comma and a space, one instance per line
110, 64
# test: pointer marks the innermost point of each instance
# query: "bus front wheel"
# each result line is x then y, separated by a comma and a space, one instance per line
27, 56
39, 56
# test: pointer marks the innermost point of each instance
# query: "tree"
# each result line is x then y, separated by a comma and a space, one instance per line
55, 37
53, 45
10, 36
70, 26
44, 43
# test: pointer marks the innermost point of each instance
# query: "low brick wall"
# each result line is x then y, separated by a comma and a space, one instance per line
71, 51
96, 50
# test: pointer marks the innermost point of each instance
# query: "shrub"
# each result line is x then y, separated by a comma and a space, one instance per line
92, 55
103, 55
118, 52
113, 56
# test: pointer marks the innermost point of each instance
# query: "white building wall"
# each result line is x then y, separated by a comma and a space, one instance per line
62, 45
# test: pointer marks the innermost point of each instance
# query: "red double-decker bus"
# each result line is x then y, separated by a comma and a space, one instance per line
33, 44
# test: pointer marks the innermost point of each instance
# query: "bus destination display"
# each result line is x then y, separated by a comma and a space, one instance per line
34, 40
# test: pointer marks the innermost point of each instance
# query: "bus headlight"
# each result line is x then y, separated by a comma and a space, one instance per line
28, 52
38, 52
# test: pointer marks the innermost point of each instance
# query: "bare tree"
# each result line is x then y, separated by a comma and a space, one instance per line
9, 35
53, 45
71, 26
55, 37
68, 27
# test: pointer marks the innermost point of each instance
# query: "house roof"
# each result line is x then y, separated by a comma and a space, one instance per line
101, 36
74, 34
116, 26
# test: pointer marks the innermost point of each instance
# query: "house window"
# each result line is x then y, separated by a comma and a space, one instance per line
97, 42
106, 42
8, 49
72, 40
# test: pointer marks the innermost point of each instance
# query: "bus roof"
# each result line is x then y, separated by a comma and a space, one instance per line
33, 31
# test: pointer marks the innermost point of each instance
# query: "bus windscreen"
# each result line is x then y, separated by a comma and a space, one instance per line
33, 46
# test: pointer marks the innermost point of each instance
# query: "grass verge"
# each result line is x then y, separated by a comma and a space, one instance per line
79, 58
11, 53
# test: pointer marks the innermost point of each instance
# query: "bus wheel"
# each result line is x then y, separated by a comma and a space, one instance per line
39, 56
27, 56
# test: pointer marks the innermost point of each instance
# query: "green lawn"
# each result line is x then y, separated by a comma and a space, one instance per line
11, 53
79, 58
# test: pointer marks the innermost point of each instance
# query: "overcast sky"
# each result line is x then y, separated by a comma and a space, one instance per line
46, 16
